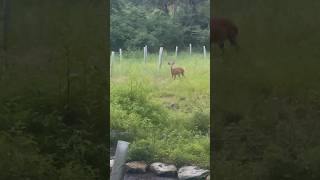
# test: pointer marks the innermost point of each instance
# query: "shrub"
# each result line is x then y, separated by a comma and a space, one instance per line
200, 121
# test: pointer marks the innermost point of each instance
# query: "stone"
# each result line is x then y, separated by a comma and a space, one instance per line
136, 167
192, 172
162, 169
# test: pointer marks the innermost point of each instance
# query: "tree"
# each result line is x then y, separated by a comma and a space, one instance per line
157, 23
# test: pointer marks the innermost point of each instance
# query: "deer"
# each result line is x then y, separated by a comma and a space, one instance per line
223, 29
175, 70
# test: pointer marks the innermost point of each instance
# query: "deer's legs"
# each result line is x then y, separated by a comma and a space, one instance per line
221, 46
233, 42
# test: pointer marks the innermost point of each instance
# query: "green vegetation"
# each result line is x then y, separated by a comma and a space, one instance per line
52, 91
267, 100
164, 119
136, 23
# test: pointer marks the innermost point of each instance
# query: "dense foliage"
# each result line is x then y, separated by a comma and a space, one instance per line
156, 23
267, 101
53, 91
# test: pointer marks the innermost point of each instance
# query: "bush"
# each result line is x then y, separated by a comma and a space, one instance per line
149, 128
200, 121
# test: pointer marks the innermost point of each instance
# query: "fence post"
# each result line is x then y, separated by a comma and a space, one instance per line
160, 58
146, 51
120, 55
176, 51
111, 62
145, 54
204, 52
190, 47
118, 169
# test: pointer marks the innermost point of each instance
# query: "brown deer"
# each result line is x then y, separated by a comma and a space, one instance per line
176, 70
223, 29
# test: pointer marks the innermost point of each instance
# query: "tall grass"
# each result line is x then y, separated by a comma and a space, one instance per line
164, 119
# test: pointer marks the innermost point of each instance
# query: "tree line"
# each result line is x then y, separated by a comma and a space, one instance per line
156, 23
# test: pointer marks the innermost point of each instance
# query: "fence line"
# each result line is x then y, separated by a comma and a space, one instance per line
145, 55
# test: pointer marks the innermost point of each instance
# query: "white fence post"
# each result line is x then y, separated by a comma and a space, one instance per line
160, 58
204, 52
111, 62
146, 51
176, 51
190, 47
118, 171
145, 54
120, 55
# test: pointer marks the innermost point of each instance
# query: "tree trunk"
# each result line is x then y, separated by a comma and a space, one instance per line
174, 7
165, 6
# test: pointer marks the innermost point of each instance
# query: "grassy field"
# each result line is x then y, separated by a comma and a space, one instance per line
164, 119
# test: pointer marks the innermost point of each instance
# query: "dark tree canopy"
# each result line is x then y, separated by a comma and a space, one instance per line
157, 23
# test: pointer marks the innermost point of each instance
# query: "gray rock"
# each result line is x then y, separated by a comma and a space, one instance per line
208, 177
162, 169
192, 172
136, 167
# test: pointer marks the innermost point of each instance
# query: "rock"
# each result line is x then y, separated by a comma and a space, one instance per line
174, 106
111, 164
208, 177
136, 167
162, 169
192, 172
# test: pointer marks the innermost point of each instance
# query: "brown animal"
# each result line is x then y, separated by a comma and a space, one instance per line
176, 70
223, 29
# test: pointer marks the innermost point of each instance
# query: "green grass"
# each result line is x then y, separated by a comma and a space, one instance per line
164, 119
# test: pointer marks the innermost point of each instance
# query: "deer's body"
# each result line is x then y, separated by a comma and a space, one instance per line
223, 29
175, 70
